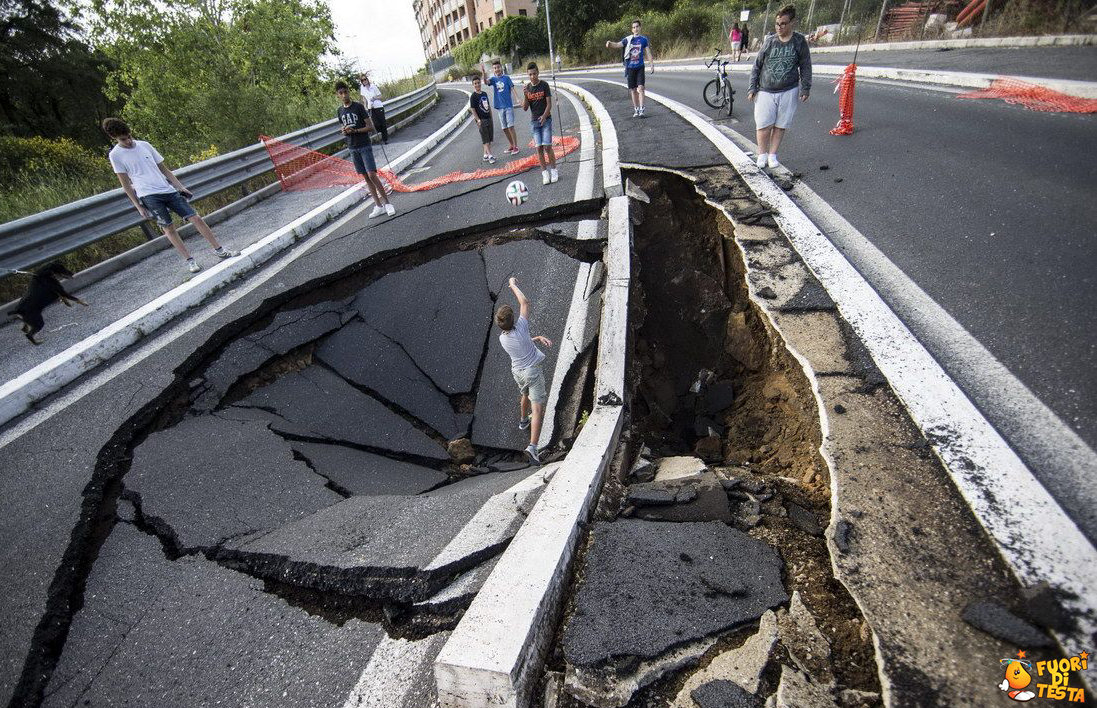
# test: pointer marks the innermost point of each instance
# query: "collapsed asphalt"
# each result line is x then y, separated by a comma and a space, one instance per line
61, 480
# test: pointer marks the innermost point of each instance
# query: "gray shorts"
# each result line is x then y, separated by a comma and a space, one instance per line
531, 382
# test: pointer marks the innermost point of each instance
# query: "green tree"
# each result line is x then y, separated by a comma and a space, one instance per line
51, 81
572, 18
196, 73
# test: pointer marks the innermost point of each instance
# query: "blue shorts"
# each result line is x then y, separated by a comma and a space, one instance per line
363, 159
506, 117
161, 206
542, 134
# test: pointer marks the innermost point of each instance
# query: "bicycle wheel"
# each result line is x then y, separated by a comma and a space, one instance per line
713, 94
729, 94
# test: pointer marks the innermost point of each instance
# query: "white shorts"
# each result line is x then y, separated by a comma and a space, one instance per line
775, 108
735, 46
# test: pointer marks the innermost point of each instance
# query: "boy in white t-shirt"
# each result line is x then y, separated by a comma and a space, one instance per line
154, 190
525, 366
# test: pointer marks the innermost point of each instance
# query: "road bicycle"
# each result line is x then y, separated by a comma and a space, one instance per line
718, 92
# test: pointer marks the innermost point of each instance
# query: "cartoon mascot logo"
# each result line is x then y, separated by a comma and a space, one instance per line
1018, 678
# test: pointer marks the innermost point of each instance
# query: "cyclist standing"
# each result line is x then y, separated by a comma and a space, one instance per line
636, 48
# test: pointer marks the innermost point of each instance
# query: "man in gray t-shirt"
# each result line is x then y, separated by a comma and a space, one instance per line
781, 74
525, 366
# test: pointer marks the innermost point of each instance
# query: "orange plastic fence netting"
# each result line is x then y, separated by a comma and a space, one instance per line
1033, 97
847, 84
299, 168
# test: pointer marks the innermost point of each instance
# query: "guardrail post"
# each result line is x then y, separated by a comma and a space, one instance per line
148, 231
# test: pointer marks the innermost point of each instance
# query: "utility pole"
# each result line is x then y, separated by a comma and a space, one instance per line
552, 51
811, 16
880, 22
765, 21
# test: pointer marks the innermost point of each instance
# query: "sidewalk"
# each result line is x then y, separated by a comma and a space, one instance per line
119, 294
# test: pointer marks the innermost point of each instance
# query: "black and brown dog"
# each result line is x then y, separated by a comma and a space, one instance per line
44, 290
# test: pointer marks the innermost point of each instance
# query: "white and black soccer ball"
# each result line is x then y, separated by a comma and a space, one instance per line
517, 192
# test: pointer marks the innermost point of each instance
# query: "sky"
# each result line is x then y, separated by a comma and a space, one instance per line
381, 35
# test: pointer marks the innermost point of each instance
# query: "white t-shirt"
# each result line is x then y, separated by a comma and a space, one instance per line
141, 163
371, 96
517, 342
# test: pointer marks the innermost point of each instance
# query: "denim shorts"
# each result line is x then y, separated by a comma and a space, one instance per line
161, 205
363, 159
506, 118
542, 134
531, 382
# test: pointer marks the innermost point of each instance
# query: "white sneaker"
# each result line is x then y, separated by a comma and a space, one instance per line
531, 453
641, 109
554, 175
491, 159
545, 177
761, 161
390, 209
377, 211
225, 253
193, 266
635, 112
773, 163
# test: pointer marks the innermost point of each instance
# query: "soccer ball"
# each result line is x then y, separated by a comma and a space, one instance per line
517, 192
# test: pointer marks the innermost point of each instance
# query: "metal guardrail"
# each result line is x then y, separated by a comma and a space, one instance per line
46, 235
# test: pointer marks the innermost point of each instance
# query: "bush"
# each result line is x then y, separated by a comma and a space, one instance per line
692, 25
41, 156
516, 37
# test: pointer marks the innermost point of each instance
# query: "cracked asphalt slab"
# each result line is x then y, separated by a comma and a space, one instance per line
62, 473
119, 294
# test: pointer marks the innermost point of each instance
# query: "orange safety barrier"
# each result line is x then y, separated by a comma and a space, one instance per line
847, 83
300, 168
1033, 97
969, 13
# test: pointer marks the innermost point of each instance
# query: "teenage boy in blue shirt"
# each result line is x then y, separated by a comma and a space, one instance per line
503, 100
636, 48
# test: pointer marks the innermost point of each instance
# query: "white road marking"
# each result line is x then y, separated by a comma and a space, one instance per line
393, 671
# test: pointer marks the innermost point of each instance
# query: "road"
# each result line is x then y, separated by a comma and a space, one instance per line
152, 588
991, 223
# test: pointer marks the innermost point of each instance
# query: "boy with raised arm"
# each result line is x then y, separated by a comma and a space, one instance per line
503, 100
154, 190
636, 48
525, 366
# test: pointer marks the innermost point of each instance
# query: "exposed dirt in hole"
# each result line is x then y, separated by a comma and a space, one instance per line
690, 312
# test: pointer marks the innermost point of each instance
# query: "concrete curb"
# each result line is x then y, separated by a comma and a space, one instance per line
1037, 539
1081, 89
22, 392
494, 655
137, 254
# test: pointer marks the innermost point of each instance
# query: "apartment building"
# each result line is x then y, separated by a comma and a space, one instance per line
444, 24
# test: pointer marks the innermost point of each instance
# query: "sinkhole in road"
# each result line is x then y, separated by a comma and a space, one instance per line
721, 478
302, 467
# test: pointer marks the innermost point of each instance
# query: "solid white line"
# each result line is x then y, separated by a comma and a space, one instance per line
611, 162
1036, 538
576, 322
966, 79
392, 672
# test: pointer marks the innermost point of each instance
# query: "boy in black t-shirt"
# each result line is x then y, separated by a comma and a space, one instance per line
537, 99
356, 126
480, 108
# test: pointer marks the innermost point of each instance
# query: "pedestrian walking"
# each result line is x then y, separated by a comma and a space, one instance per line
781, 73
636, 48
736, 39
155, 191
745, 46
537, 99
525, 365
371, 99
357, 126
503, 100
480, 108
